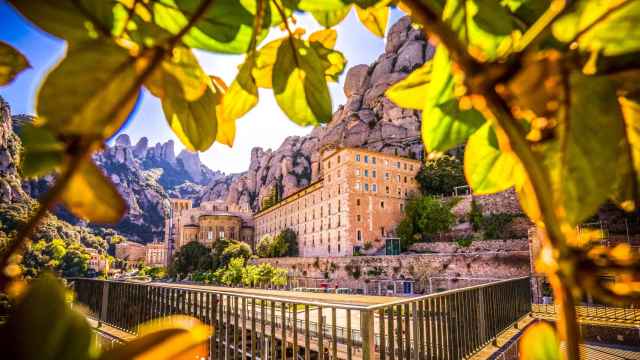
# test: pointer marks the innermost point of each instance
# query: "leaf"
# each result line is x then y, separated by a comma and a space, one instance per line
42, 326
43, 152
91, 196
590, 143
330, 18
265, 59
324, 5
195, 122
92, 91
226, 126
12, 62
72, 20
606, 27
444, 124
484, 25
539, 342
181, 67
409, 93
225, 26
326, 37
488, 169
374, 18
172, 337
299, 84
627, 191
242, 94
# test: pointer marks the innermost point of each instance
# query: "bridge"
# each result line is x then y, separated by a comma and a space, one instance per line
268, 324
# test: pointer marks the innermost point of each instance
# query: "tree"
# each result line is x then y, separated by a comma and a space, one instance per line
225, 249
441, 176
263, 249
424, 216
190, 258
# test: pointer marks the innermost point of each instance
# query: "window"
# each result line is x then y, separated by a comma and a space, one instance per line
357, 157
210, 235
382, 204
399, 192
386, 163
373, 173
398, 178
398, 164
387, 189
374, 187
366, 172
405, 166
329, 164
405, 179
366, 187
338, 172
373, 159
358, 218
359, 235
357, 172
411, 167
386, 176
357, 186
338, 159
382, 230
358, 202
366, 158
221, 235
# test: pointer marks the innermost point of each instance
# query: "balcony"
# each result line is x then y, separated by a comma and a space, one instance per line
266, 324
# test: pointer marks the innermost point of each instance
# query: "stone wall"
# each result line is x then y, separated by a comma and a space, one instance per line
505, 202
357, 271
476, 246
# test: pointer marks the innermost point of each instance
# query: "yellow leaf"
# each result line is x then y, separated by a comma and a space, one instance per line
410, 92
183, 67
375, 17
326, 37
169, 338
265, 58
90, 195
226, 125
43, 152
12, 62
539, 342
242, 95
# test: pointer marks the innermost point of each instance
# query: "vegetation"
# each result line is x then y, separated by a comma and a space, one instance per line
284, 244
196, 259
240, 273
424, 216
441, 176
544, 93
154, 272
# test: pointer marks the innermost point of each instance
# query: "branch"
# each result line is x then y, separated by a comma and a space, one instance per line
286, 25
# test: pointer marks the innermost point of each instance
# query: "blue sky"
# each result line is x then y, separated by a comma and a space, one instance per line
264, 126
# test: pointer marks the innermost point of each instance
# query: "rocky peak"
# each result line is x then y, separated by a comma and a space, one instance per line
140, 150
191, 163
123, 140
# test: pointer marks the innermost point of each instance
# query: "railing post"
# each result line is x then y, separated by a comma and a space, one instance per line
367, 334
104, 304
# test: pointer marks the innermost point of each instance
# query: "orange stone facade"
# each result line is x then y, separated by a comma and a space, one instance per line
356, 203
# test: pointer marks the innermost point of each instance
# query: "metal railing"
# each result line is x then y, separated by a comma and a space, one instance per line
448, 325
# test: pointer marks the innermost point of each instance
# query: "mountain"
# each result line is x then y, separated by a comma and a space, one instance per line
368, 120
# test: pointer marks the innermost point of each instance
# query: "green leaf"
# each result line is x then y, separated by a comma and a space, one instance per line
488, 169
444, 124
181, 67
91, 196
606, 27
627, 191
43, 326
539, 342
43, 152
73, 20
242, 94
330, 18
527, 10
374, 18
194, 122
225, 26
410, 92
333, 62
299, 83
590, 143
484, 25
92, 91
12, 62
265, 59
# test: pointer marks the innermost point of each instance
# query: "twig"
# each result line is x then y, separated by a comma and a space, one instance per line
286, 25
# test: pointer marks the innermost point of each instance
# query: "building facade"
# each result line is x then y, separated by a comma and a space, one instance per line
356, 203
211, 221
133, 253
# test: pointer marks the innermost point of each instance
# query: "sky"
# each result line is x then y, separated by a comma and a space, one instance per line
265, 126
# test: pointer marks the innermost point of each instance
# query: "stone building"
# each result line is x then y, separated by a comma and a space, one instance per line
133, 253
211, 221
155, 254
355, 204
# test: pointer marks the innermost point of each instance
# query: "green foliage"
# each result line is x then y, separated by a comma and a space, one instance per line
238, 272
441, 176
225, 249
190, 258
424, 216
284, 244
465, 241
12, 62
353, 270
475, 215
495, 226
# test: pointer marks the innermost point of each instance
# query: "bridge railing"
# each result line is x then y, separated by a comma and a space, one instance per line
448, 325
